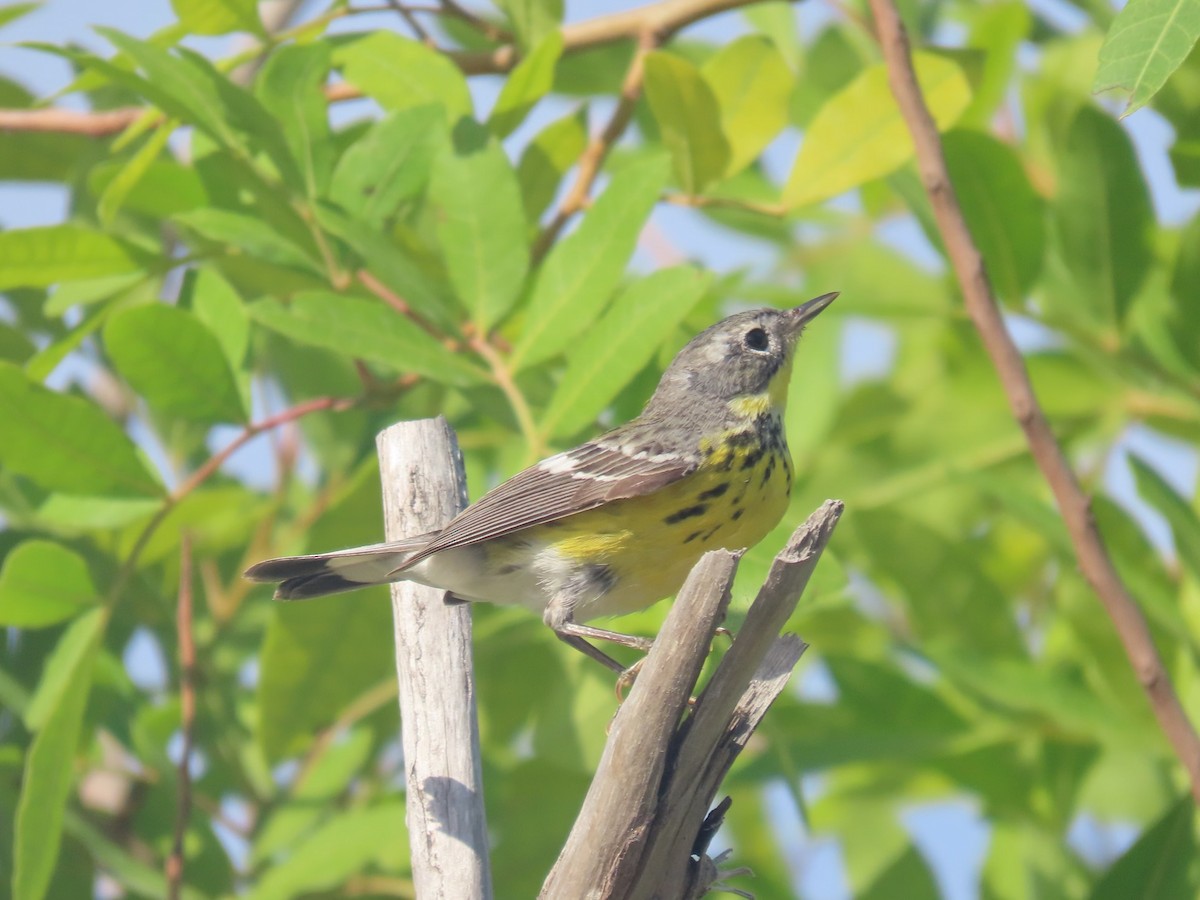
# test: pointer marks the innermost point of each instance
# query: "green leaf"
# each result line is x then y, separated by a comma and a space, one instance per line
583, 269
303, 644
41, 156
187, 86
480, 227
323, 782
689, 118
908, 876
89, 291
77, 642
333, 853
248, 235
172, 84
219, 308
997, 30
859, 135
71, 514
1147, 41
526, 85
218, 16
366, 329
162, 189
43, 583
617, 347
173, 360
948, 595
753, 87
389, 164
394, 265
1185, 525
49, 764
547, 158
1159, 866
132, 172
290, 86
135, 876
14, 11
66, 443
1103, 216
777, 20
15, 345
532, 20
1184, 318
1005, 215
40, 257
399, 73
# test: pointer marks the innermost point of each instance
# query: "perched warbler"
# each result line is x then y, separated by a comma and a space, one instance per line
617, 523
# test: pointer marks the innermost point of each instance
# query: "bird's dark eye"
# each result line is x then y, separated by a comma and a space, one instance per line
756, 339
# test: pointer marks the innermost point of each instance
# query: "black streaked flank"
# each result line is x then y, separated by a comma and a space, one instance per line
713, 493
691, 537
737, 513
752, 458
686, 513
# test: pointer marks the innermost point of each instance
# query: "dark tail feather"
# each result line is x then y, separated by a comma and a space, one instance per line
318, 584
304, 577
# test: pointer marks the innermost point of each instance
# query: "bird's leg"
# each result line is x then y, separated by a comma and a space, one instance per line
559, 616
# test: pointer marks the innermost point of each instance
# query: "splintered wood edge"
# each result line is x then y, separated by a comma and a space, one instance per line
603, 851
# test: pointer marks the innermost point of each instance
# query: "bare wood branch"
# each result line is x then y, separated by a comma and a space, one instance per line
645, 814
617, 813
598, 148
423, 488
980, 300
659, 19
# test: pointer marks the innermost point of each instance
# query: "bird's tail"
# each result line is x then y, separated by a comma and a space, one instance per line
304, 577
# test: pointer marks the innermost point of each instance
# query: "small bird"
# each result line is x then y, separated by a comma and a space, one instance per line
615, 524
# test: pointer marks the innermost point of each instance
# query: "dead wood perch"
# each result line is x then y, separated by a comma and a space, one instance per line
645, 824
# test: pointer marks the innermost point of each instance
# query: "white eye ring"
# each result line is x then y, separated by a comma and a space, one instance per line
756, 339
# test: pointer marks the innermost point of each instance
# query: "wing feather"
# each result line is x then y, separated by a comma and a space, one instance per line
570, 482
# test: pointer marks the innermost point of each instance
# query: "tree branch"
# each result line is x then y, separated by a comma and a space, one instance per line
423, 488
645, 823
980, 300
661, 20
598, 147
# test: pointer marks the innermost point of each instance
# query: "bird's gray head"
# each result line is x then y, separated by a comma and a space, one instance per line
746, 357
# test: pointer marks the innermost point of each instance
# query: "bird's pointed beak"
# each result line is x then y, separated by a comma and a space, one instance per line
806, 312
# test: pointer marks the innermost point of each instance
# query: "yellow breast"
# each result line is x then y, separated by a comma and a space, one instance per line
649, 544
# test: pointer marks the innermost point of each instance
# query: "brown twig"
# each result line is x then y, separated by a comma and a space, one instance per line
409, 16
659, 19
488, 29
598, 147
187, 702
210, 467
980, 300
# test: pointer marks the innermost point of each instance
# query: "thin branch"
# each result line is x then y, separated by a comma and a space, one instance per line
503, 377
598, 147
659, 19
414, 23
210, 467
359, 708
1074, 506
69, 121
187, 700
402, 306
772, 210
488, 29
